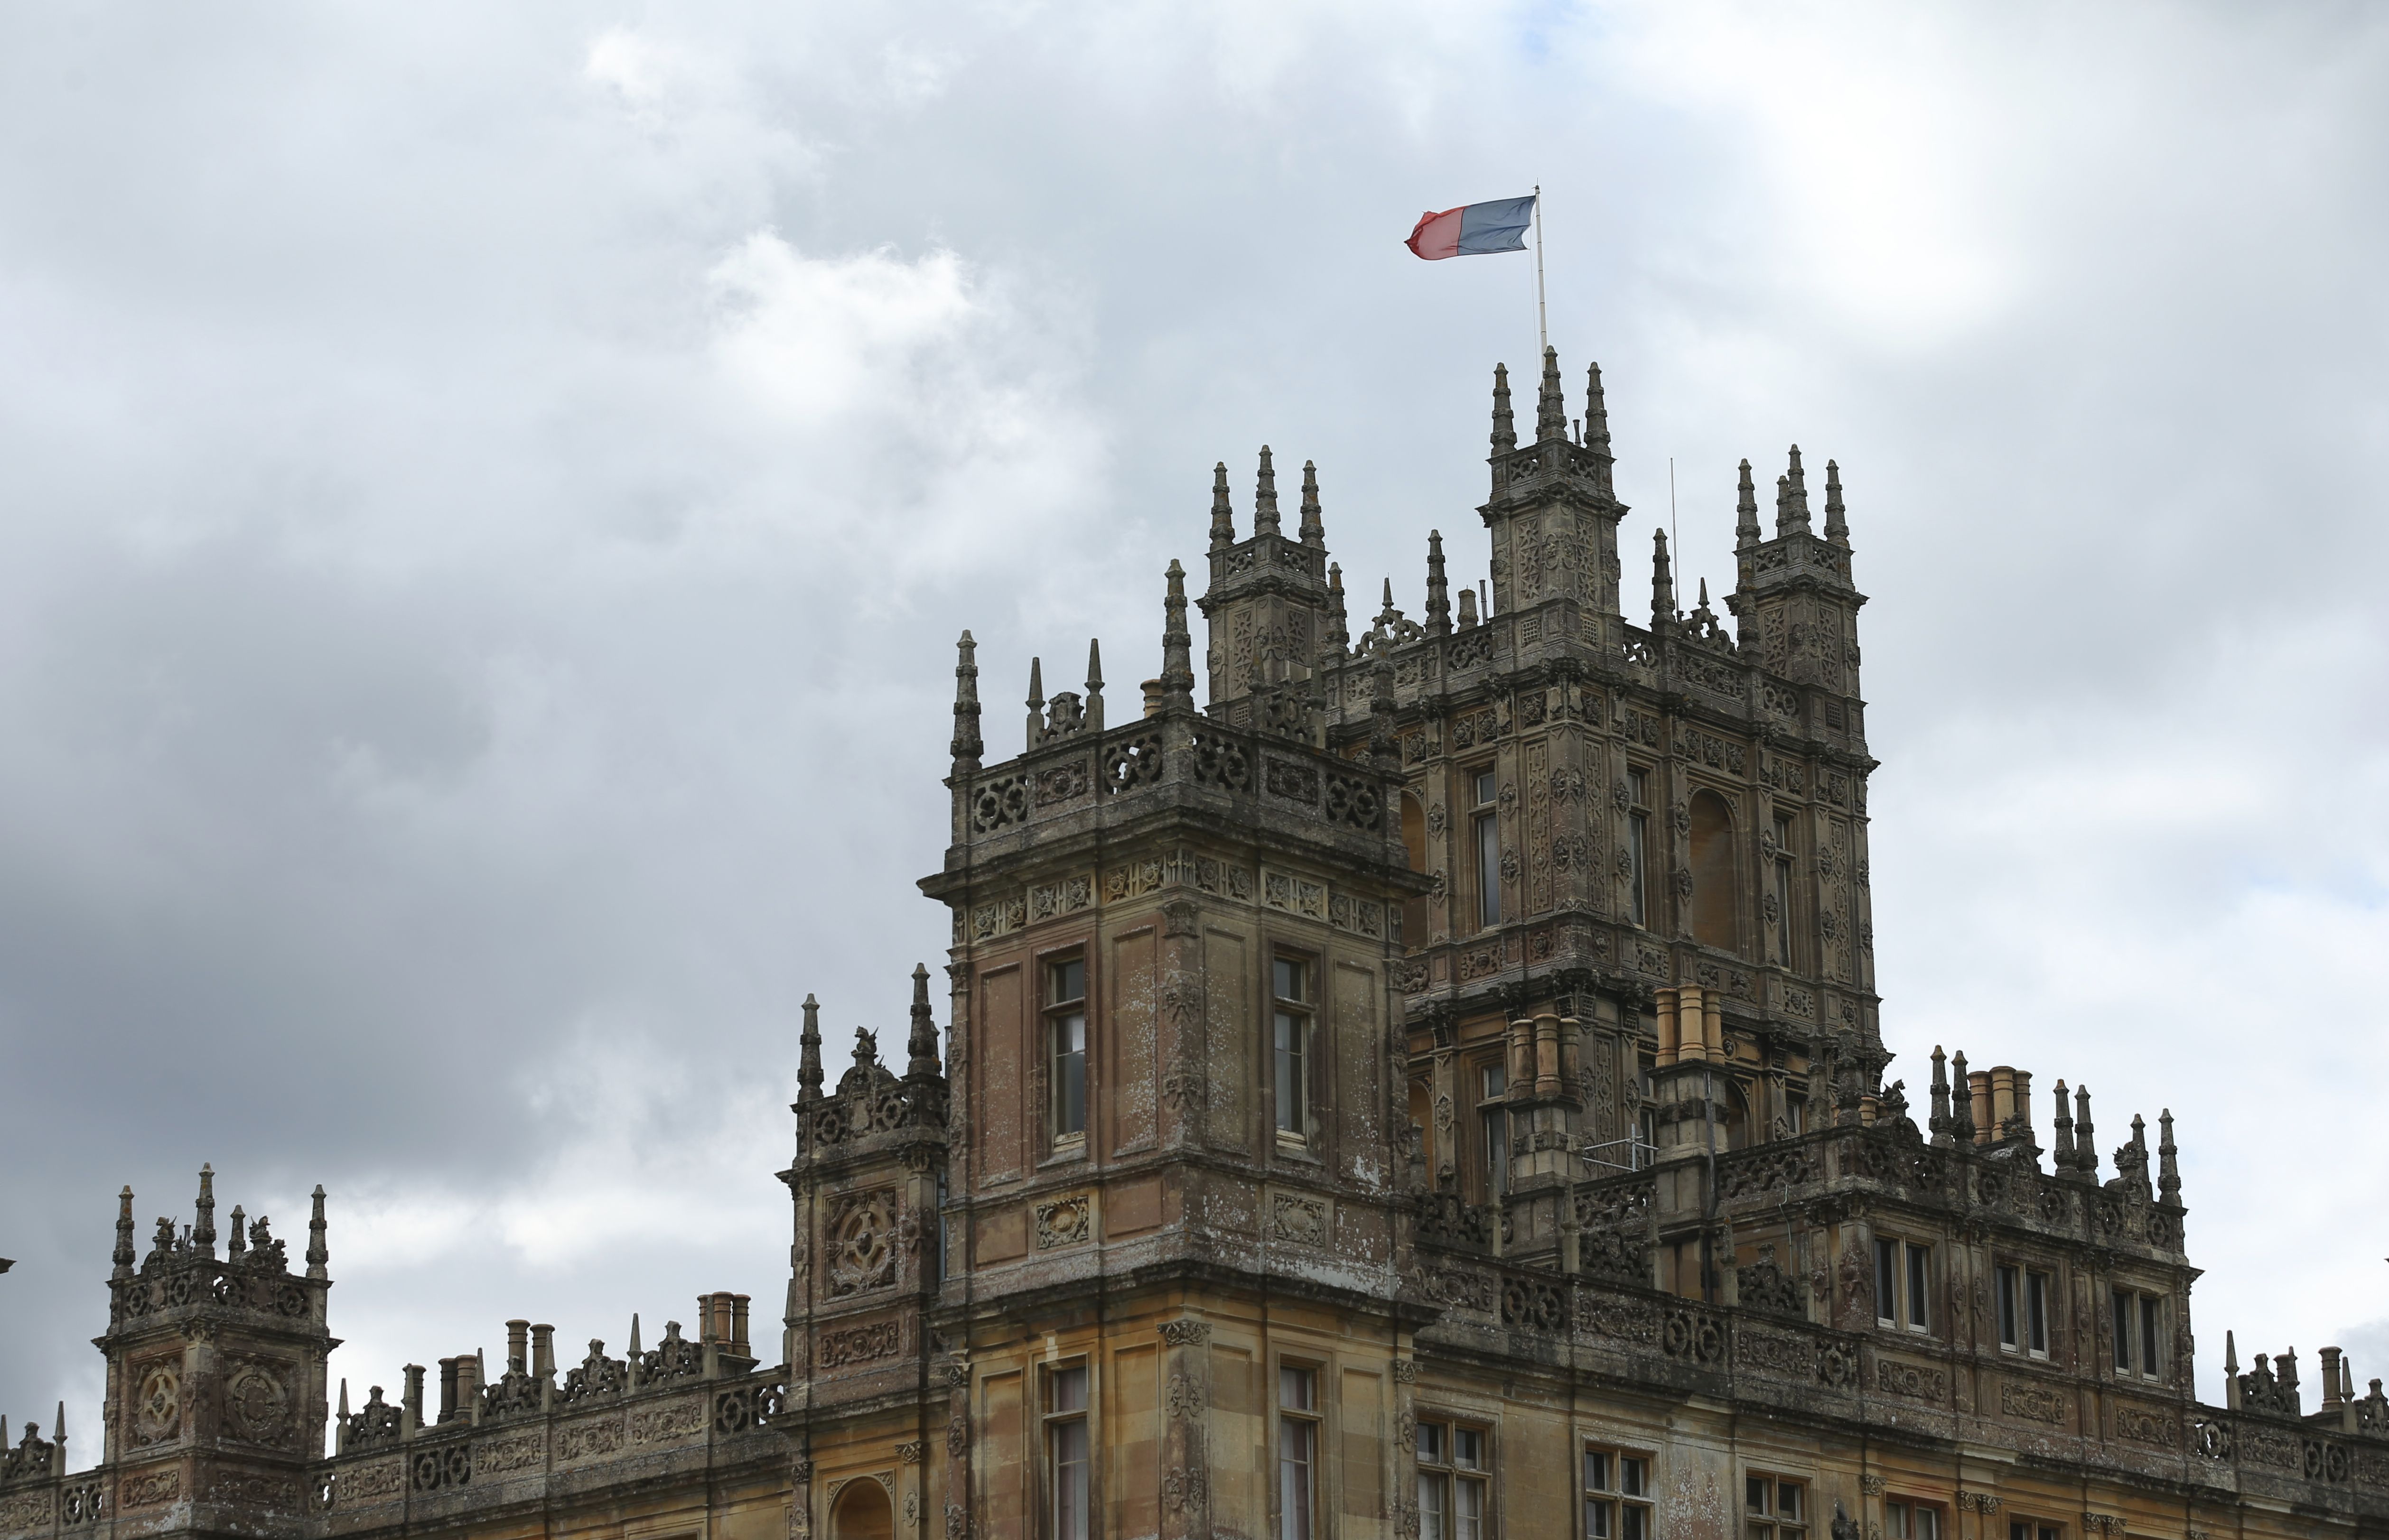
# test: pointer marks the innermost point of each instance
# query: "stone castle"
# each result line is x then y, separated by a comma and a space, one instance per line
1433, 1090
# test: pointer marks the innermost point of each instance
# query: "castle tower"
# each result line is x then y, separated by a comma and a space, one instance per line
216, 1393
1176, 1169
1270, 606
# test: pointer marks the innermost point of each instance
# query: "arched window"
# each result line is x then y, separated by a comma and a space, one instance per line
1737, 1116
862, 1512
1414, 845
1716, 903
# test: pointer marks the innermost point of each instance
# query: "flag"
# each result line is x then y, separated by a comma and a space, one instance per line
1473, 229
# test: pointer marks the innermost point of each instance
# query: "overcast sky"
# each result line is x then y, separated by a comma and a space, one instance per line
487, 495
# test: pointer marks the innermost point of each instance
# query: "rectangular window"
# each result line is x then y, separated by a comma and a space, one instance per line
2032, 1529
1780, 929
2023, 1311
1912, 1520
1293, 986
1774, 1508
1488, 849
1453, 1471
1297, 1451
2010, 1307
2036, 1299
1638, 846
1616, 1495
1903, 1294
2140, 1337
1795, 1114
1065, 1036
1493, 1124
1065, 1451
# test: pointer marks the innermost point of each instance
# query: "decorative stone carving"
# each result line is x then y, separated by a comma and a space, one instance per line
1064, 1221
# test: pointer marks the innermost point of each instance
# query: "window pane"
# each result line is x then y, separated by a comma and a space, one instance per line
1471, 1512
1919, 1296
1635, 1520
1896, 1519
2018, 1529
1497, 1150
1489, 869
1293, 1034
1928, 1525
1070, 1073
1637, 834
1068, 1390
1495, 1080
1485, 787
1294, 1389
1069, 982
2149, 1365
1761, 1532
1754, 1494
1290, 981
2123, 1328
1469, 1448
1295, 1446
1071, 1478
2036, 1302
1630, 1474
1432, 1490
1430, 1443
1597, 1522
1638, 782
1596, 1471
1790, 1506
1886, 1281
2007, 1307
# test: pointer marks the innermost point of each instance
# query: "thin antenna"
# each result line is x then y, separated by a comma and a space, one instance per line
1674, 539
1542, 331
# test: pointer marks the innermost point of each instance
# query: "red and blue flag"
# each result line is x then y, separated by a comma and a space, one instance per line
1474, 230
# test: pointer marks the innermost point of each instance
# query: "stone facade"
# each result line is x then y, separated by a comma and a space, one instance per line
1434, 1089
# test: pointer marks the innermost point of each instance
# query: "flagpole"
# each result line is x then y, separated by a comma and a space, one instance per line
1543, 329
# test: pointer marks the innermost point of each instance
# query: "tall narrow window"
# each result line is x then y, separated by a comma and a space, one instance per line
1065, 1451
2140, 1338
1773, 1508
1903, 1294
1452, 1465
1297, 1451
2010, 1307
1778, 926
1616, 1496
1920, 1260
1488, 848
2123, 1333
2149, 1364
1493, 1123
2035, 1300
1646, 1118
1886, 1282
1638, 846
1292, 984
1715, 903
1066, 1037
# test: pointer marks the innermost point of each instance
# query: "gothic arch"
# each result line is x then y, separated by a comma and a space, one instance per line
1715, 901
862, 1512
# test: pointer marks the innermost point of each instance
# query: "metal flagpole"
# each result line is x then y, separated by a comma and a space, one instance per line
1542, 330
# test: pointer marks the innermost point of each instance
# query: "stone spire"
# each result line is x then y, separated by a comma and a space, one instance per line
1265, 497
808, 1062
921, 1044
2085, 1138
1505, 427
2168, 1168
1746, 511
1596, 412
1336, 637
1837, 528
1177, 647
968, 746
1937, 1122
1036, 703
239, 1244
203, 1234
1438, 589
1961, 1101
1551, 404
2063, 1141
1094, 702
318, 1254
124, 1255
1792, 500
1663, 585
1314, 531
1224, 517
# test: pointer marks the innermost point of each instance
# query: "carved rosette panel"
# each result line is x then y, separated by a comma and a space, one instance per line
257, 1403
861, 1241
157, 1400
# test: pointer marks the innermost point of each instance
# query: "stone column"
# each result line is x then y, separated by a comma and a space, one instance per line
1403, 1510
956, 1376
